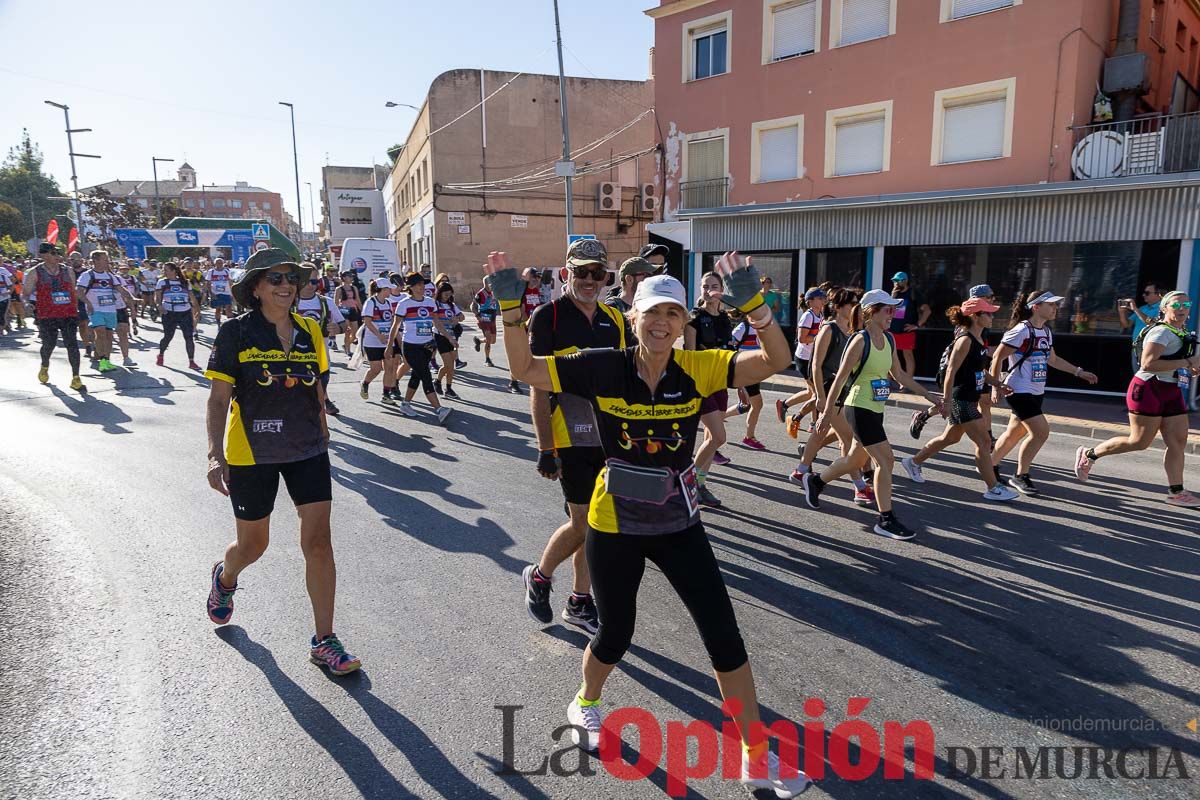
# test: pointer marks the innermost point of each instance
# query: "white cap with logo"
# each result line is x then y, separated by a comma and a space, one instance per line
658, 289
878, 297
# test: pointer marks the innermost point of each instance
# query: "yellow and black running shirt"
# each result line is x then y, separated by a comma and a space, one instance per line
559, 329
646, 429
275, 416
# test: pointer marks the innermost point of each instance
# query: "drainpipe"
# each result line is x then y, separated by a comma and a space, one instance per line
1126, 70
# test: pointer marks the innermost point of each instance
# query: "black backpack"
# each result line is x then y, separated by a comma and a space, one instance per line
862, 362
1189, 342
944, 361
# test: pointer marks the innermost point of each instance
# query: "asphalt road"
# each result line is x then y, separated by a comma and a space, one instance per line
997, 625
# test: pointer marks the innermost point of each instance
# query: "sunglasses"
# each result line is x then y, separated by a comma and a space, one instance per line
595, 273
1178, 305
277, 278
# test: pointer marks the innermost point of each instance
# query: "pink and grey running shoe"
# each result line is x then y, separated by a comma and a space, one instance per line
220, 599
331, 654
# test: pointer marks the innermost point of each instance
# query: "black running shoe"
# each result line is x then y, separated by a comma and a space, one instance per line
488, 362
451, 394
893, 528
459, 364
582, 614
707, 498
537, 597
330, 408
1023, 485
919, 418
514, 387
812, 489
478, 342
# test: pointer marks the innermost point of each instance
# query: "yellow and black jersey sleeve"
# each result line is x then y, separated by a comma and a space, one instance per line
712, 370
580, 373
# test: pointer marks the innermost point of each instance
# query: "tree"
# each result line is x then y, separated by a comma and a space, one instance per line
11, 222
107, 213
170, 210
12, 249
24, 186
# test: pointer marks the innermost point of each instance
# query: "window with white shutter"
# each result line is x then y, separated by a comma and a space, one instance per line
861, 20
857, 139
776, 150
969, 8
794, 29
973, 123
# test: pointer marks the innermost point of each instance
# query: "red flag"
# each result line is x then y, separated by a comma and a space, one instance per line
73, 240
52, 232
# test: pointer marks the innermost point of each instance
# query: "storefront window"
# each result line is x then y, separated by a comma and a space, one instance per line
778, 267
842, 267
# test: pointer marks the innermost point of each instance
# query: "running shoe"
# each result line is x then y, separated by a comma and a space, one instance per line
1000, 494
582, 614
331, 409
195, 366
363, 392
106, 365
478, 342
406, 409
913, 469
331, 654
864, 497
451, 394
893, 528
919, 418
1083, 464
128, 362
742, 408
753, 444
781, 411
797, 476
764, 774
793, 426
707, 498
387, 399
459, 363
487, 362
1023, 485
812, 486
77, 384
220, 599
585, 725
44, 375
159, 361
333, 348
514, 387
442, 413
1184, 499
537, 596
720, 460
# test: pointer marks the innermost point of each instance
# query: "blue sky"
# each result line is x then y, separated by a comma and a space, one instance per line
202, 80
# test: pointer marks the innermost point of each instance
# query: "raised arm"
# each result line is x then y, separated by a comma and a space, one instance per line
743, 291
509, 291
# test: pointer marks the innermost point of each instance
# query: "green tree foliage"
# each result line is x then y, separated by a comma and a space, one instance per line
25, 186
12, 249
107, 213
170, 210
11, 221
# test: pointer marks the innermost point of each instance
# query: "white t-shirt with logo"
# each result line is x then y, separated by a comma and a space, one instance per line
1161, 334
380, 313
219, 280
1030, 377
149, 278
311, 308
176, 295
126, 282
101, 288
418, 319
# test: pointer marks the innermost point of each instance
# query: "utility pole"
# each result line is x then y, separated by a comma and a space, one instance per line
568, 169
71, 152
157, 203
296, 163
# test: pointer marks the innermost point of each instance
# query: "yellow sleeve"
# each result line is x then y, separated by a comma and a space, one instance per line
712, 370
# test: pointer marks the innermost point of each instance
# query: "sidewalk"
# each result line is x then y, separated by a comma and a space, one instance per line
1094, 418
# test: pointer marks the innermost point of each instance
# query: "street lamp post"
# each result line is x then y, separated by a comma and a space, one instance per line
296, 163
312, 211
71, 152
566, 125
157, 203
390, 104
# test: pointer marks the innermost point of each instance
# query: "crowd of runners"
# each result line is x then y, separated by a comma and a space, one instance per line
622, 381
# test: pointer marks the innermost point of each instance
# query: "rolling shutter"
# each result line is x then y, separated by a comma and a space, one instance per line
777, 154
795, 29
973, 130
706, 159
865, 19
967, 8
859, 146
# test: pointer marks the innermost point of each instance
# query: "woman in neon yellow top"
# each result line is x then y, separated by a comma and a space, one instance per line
869, 387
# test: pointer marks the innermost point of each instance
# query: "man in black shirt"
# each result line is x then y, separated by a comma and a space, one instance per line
569, 448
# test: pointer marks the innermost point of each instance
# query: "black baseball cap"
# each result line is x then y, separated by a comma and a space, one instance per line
47, 247
654, 250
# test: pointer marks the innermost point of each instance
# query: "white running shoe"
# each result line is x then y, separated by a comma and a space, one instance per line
768, 778
442, 413
406, 409
1184, 499
913, 469
1000, 494
586, 721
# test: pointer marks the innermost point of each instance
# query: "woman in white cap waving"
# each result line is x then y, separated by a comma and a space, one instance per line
646, 505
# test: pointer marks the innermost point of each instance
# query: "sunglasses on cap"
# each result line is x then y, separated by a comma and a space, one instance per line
596, 273
277, 278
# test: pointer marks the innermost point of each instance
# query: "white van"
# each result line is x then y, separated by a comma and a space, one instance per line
369, 258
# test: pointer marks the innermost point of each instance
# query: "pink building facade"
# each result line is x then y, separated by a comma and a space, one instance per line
848, 140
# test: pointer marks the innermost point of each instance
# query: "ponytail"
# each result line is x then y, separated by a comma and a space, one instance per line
957, 318
1021, 310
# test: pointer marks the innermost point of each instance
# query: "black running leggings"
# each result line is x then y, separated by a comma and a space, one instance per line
182, 320
417, 357
617, 562
48, 330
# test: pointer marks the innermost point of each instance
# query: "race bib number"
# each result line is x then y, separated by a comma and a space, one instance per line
1184, 378
424, 327
689, 486
220, 287
60, 298
106, 299
980, 381
881, 390
176, 298
1037, 368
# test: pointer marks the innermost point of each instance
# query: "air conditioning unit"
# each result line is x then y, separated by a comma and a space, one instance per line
649, 197
608, 197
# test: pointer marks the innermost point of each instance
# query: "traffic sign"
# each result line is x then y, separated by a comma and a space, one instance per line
260, 231
575, 237
260, 245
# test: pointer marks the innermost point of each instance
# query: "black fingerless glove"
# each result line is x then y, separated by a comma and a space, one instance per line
548, 463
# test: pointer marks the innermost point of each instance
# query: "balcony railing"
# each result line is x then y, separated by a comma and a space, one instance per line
1144, 146
704, 194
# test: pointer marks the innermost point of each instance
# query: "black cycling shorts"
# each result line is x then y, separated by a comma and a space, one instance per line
580, 468
866, 425
444, 345
804, 367
1025, 405
351, 314
252, 489
373, 353
122, 316
754, 389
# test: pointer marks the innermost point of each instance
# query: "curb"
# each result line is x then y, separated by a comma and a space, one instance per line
1066, 425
